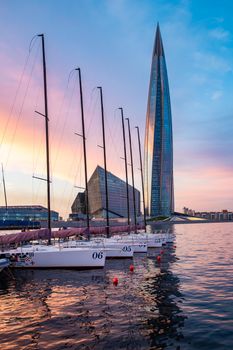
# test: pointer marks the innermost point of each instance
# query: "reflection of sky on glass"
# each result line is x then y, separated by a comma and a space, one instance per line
112, 42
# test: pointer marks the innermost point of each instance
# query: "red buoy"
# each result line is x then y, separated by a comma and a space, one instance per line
131, 268
158, 258
161, 252
115, 281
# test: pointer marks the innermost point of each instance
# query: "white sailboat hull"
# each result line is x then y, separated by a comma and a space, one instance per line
53, 257
111, 249
151, 241
138, 246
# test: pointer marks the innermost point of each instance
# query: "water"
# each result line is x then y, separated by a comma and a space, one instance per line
183, 303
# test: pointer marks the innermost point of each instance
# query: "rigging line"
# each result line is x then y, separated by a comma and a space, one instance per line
69, 175
35, 138
111, 137
78, 168
67, 112
39, 156
54, 161
71, 193
115, 120
64, 124
135, 153
61, 107
91, 99
65, 186
70, 75
37, 190
60, 113
32, 42
34, 143
93, 110
40, 138
22, 105
15, 98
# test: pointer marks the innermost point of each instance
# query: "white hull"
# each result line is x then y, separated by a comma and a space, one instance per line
157, 239
111, 249
138, 246
118, 253
150, 240
168, 237
54, 257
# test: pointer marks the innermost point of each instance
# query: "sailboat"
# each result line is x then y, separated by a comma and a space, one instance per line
129, 245
138, 246
50, 256
111, 248
143, 238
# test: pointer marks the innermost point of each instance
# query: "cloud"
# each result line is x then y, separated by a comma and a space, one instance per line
211, 62
219, 34
216, 95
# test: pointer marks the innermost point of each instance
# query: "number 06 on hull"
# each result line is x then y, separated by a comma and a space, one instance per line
55, 257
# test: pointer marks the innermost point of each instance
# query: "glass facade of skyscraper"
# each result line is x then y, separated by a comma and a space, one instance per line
158, 159
117, 199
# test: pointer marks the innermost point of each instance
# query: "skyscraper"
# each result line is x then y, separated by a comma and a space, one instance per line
158, 160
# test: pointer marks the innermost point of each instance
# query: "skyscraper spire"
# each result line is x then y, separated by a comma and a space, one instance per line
158, 160
158, 46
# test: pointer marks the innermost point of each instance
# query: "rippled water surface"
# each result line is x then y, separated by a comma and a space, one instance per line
185, 302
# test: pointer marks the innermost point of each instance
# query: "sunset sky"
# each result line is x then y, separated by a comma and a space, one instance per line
112, 42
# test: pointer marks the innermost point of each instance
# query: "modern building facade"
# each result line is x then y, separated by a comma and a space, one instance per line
116, 197
158, 157
27, 212
79, 205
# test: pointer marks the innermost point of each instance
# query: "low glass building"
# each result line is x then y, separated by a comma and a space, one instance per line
27, 212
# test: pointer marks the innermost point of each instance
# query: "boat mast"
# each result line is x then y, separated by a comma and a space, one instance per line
105, 163
47, 137
126, 168
132, 171
142, 179
84, 152
4, 187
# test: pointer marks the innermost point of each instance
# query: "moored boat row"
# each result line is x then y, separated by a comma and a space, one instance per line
76, 253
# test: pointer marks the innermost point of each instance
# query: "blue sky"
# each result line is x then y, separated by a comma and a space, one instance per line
112, 42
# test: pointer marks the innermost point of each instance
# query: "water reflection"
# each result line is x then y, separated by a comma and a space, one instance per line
165, 316
83, 310
167, 320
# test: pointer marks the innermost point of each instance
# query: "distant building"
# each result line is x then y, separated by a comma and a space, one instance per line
189, 212
158, 158
27, 212
223, 215
97, 202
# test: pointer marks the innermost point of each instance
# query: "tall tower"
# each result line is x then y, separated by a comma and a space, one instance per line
158, 159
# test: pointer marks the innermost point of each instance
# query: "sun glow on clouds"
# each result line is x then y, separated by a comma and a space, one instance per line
206, 188
219, 34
